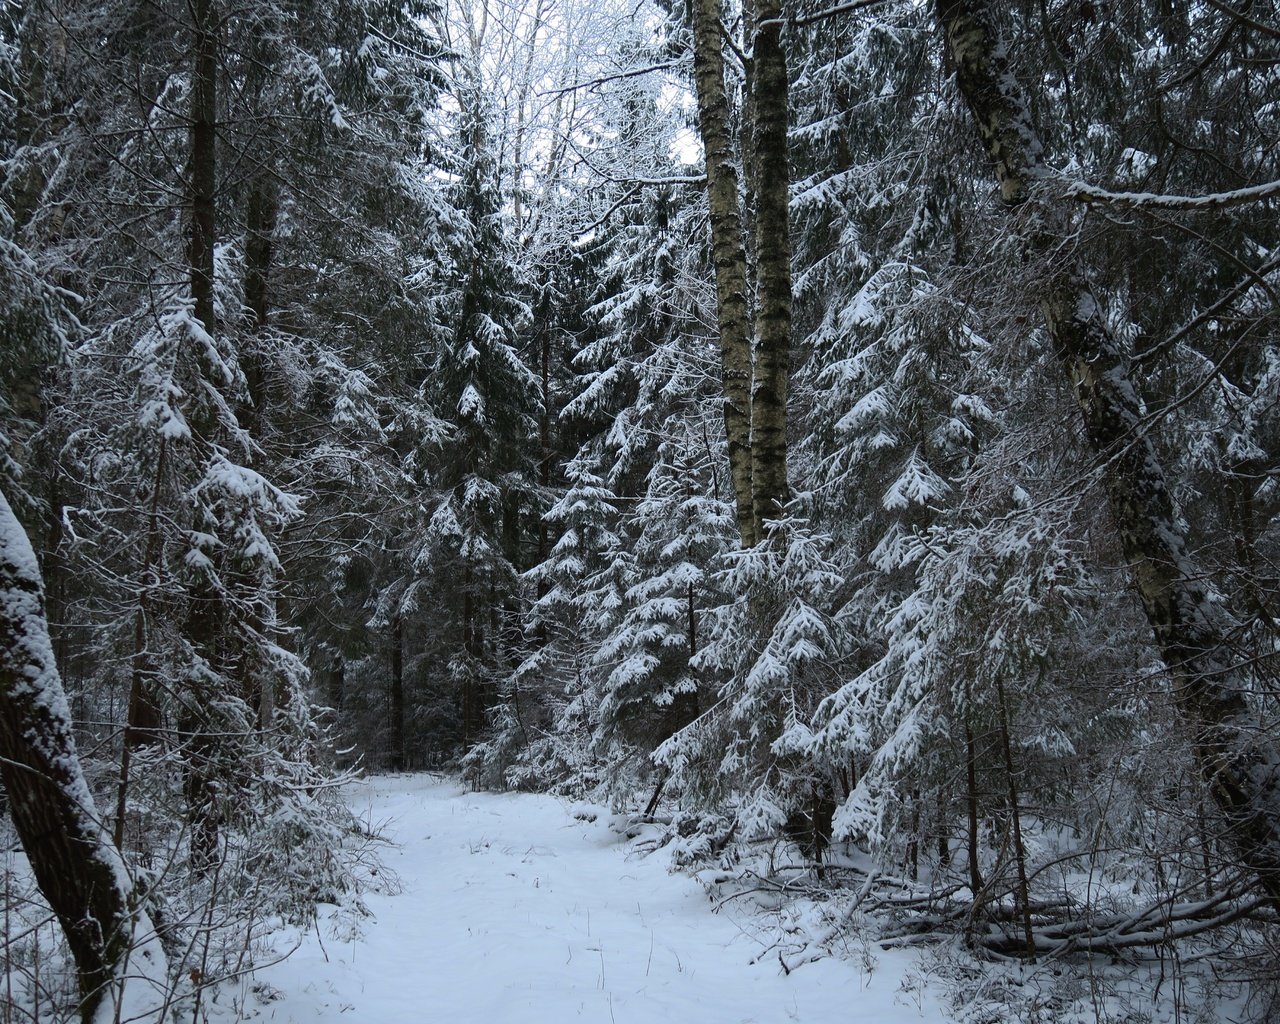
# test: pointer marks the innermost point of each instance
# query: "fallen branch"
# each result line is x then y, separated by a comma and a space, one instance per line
1151, 925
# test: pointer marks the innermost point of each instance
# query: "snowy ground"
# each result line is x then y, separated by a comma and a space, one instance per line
511, 910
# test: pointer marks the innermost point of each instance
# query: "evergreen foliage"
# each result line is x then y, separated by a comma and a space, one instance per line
393, 386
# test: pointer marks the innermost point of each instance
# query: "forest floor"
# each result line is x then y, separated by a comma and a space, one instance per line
519, 908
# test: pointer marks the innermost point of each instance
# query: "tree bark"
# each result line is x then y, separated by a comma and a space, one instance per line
77, 867
1192, 631
547, 454
728, 253
772, 178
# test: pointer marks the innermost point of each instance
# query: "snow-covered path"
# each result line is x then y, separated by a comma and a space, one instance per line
513, 911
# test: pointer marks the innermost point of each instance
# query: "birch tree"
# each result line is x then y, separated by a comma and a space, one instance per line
729, 256
1210, 685
768, 115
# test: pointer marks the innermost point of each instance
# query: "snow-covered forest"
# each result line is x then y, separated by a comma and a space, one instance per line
837, 440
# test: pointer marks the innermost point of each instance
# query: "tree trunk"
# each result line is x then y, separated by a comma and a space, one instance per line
728, 252
396, 761
971, 810
547, 455
144, 718
259, 247
470, 684
77, 867
202, 169
39, 113
201, 783
1015, 812
142, 724
337, 682
258, 684
260, 226
205, 623
772, 179
1237, 760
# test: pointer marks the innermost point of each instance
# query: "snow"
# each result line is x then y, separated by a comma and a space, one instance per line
918, 484
512, 909
142, 991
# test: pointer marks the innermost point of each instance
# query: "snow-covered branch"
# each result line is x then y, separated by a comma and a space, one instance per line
1094, 195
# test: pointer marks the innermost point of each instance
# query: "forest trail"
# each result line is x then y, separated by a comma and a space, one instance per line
512, 910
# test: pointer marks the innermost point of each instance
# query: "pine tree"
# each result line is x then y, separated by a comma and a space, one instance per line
486, 464
178, 431
651, 687
550, 699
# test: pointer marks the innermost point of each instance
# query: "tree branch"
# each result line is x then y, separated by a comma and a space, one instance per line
1243, 18
1093, 195
829, 12
669, 65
